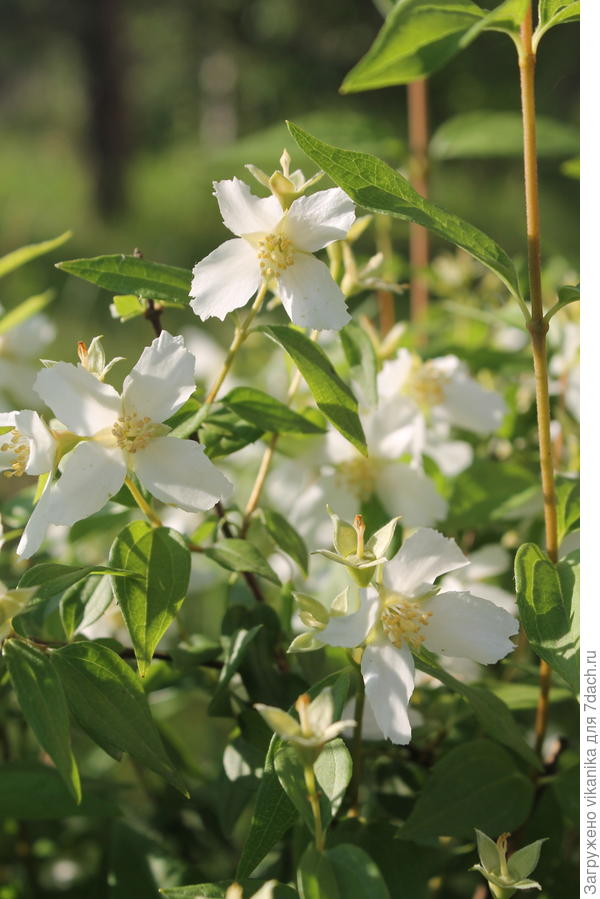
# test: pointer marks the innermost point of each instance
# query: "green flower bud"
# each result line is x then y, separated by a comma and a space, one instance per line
351, 550
506, 876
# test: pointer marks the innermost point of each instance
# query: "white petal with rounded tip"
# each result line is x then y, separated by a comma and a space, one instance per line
42, 445
466, 404
488, 561
389, 676
242, 212
352, 630
91, 474
311, 297
422, 558
225, 279
35, 529
409, 493
278, 720
451, 456
315, 221
393, 375
161, 380
468, 627
82, 402
177, 471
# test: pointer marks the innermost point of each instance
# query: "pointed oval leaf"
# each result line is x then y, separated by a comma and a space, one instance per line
109, 703
267, 413
24, 254
122, 274
333, 397
235, 554
44, 706
160, 563
286, 537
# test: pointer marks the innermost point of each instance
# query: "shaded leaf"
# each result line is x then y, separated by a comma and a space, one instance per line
235, 554
34, 792
267, 413
122, 274
492, 134
333, 397
160, 562
286, 537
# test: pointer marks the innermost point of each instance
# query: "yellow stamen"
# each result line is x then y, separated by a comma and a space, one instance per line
358, 476
425, 384
134, 433
18, 446
402, 621
275, 254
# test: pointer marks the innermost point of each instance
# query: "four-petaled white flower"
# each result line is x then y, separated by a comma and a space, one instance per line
276, 247
408, 611
123, 434
428, 397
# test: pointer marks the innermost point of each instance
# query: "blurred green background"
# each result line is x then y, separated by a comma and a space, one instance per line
117, 116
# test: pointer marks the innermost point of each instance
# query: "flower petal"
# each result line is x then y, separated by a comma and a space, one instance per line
244, 213
451, 456
91, 475
225, 279
409, 493
352, 630
315, 221
82, 402
177, 471
393, 375
466, 404
468, 627
311, 297
42, 445
421, 559
161, 380
389, 676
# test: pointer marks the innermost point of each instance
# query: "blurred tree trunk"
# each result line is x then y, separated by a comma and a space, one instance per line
101, 36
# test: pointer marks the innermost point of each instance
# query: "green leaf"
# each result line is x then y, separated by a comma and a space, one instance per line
476, 782
267, 413
554, 12
333, 770
333, 397
19, 257
416, 40
222, 431
44, 706
238, 555
315, 876
122, 274
483, 491
84, 603
374, 185
274, 814
52, 578
150, 600
134, 863
34, 792
362, 359
506, 17
566, 295
493, 714
491, 134
356, 874
219, 890
238, 646
25, 310
548, 598
109, 703
567, 505
286, 537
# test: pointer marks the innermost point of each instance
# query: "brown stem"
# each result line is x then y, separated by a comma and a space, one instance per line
537, 329
418, 139
153, 314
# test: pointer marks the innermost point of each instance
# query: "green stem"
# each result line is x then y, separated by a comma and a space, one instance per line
241, 332
144, 506
357, 750
538, 328
313, 798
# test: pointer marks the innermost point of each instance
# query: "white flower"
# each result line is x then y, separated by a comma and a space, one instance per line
26, 446
276, 247
123, 434
429, 397
18, 346
409, 613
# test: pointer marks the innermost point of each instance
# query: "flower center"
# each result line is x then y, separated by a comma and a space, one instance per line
134, 433
425, 385
275, 254
403, 620
359, 476
18, 447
